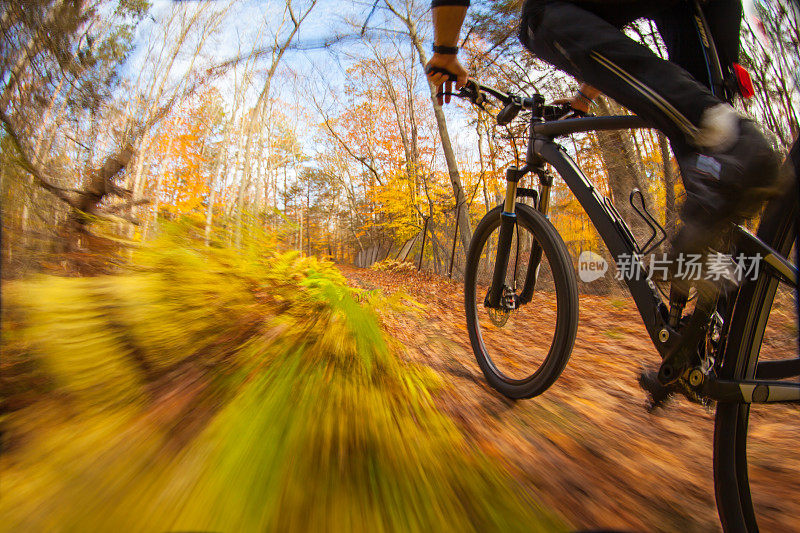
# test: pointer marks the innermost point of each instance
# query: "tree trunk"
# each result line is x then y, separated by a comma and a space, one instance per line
624, 167
157, 192
486, 202
670, 215
222, 163
465, 229
258, 111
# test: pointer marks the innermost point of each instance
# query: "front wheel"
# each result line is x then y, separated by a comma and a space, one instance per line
523, 343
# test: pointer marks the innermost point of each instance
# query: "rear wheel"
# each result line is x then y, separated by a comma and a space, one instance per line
756, 464
521, 346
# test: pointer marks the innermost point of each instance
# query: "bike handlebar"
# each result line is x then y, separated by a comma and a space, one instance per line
512, 104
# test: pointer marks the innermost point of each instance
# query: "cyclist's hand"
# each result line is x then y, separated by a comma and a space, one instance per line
575, 102
448, 62
582, 99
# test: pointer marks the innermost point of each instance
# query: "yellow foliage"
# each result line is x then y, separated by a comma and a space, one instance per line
272, 403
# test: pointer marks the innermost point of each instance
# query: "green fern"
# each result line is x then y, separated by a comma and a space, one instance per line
304, 418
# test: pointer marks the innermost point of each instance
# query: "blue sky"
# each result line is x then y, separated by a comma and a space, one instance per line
240, 32
318, 70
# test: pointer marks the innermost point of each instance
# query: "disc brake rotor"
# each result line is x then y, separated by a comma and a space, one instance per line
499, 317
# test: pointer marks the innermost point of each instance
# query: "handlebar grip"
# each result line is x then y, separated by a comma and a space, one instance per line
440, 70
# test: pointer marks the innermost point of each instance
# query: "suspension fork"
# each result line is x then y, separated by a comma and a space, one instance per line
532, 275
508, 221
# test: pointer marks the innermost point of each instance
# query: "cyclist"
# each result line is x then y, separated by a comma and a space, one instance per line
728, 166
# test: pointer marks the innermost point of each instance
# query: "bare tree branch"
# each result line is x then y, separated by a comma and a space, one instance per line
127, 205
30, 166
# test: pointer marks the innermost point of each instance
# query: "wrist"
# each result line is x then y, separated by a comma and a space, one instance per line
445, 50
581, 101
580, 105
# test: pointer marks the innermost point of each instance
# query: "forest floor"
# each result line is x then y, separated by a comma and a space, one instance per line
587, 448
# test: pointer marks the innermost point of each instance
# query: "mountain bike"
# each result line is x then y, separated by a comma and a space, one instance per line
518, 266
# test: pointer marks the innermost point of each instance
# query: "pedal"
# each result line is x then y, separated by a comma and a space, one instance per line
658, 394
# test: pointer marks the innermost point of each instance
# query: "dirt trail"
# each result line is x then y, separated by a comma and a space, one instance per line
586, 448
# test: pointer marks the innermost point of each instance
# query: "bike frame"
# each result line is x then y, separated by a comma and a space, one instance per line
612, 228
619, 240
675, 348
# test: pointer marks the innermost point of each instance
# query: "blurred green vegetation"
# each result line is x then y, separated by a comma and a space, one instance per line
219, 390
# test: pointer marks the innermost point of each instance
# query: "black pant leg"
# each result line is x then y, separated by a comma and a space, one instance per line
725, 21
592, 49
677, 29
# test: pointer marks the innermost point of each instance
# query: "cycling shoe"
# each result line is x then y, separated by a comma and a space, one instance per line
724, 187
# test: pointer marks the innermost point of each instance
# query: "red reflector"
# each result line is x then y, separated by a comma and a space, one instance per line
745, 83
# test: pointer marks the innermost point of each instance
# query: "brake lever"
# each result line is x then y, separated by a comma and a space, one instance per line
575, 113
472, 91
560, 112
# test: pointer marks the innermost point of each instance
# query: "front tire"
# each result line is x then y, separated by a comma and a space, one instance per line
521, 351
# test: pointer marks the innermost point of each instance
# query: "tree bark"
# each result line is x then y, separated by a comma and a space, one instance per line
670, 214
623, 165
462, 216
